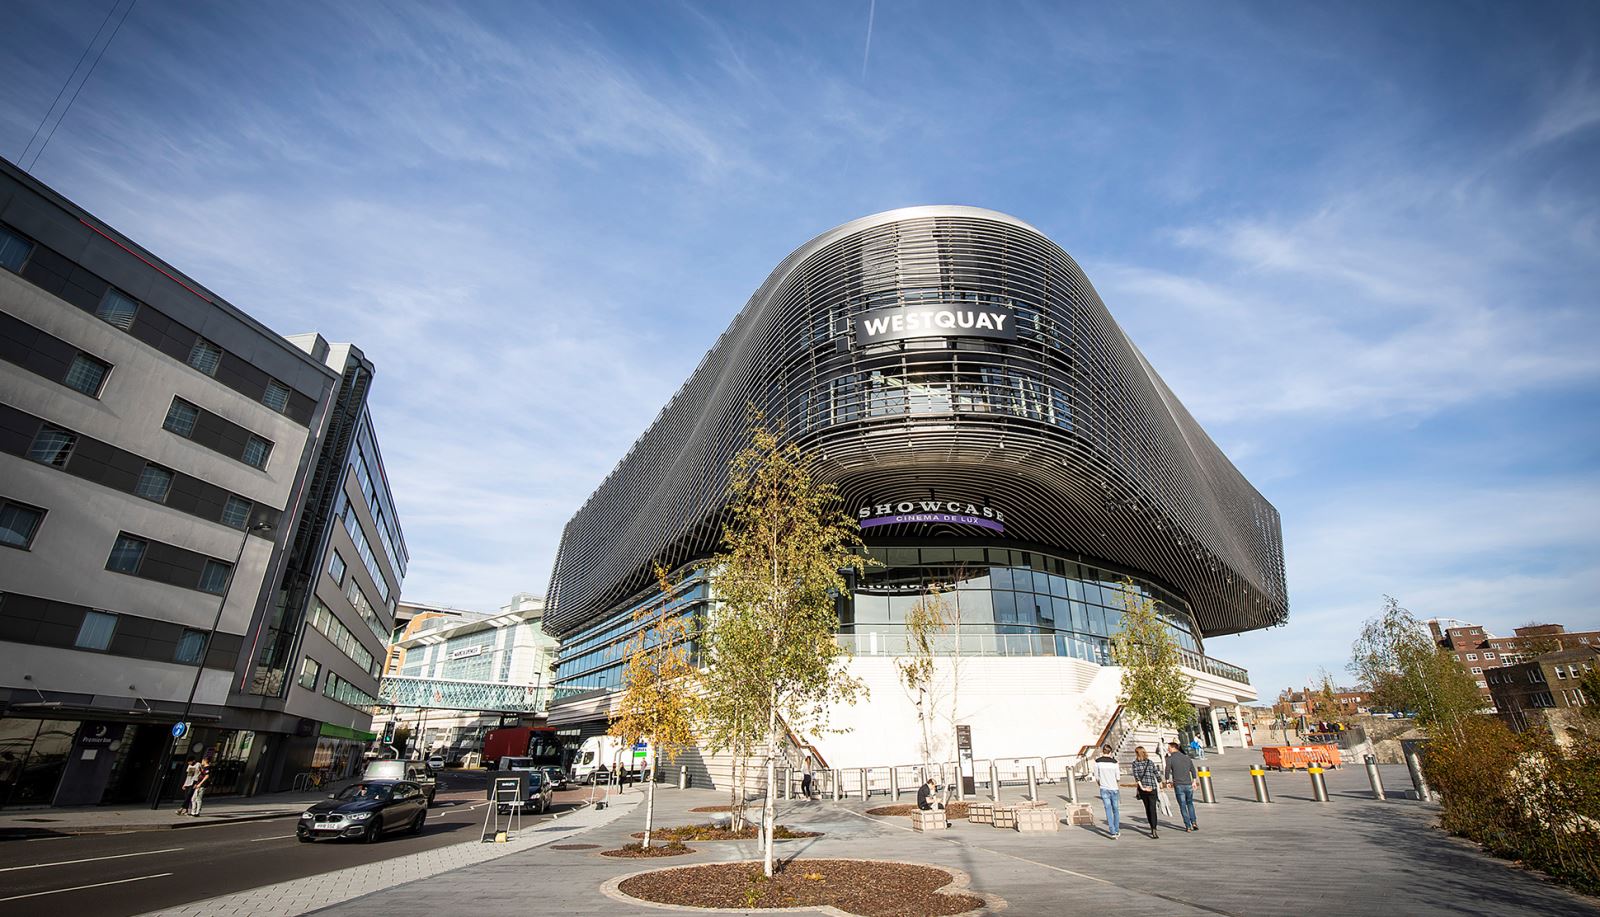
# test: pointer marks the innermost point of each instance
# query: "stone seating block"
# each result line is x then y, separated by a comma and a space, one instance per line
931, 820
1080, 814
980, 813
1038, 818
1005, 817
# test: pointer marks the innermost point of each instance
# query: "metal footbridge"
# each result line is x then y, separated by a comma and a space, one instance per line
451, 694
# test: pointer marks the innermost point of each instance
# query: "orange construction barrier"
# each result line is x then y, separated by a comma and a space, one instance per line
1298, 757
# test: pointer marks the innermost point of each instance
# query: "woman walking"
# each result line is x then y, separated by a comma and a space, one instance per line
1147, 774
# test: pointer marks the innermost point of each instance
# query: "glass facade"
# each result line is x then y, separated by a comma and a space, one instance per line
594, 657
1004, 591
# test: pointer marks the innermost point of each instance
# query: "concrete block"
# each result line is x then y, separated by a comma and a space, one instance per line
980, 813
1080, 814
932, 820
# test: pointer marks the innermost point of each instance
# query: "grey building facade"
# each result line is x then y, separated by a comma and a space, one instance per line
156, 449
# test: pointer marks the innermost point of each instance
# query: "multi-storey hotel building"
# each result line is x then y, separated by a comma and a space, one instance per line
173, 477
997, 435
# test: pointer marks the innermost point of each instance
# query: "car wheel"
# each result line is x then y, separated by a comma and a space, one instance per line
305, 838
373, 830
416, 823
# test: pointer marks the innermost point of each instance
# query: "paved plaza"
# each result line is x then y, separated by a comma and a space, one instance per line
1351, 856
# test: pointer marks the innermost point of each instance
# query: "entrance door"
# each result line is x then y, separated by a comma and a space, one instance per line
39, 754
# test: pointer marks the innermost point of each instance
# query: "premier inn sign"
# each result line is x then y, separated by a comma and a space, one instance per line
900, 322
947, 512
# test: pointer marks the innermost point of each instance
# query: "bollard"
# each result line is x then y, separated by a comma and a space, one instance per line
863, 784
1072, 786
837, 779
1208, 793
1033, 785
994, 782
1258, 777
1375, 778
683, 777
1319, 784
894, 783
1419, 783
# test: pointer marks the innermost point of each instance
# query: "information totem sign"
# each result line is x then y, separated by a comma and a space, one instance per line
964, 753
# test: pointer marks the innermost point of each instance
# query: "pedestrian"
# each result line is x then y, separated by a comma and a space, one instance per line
1180, 776
1195, 748
201, 778
191, 772
1109, 776
925, 795
1147, 776
805, 781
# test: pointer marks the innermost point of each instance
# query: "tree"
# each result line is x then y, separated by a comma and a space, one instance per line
1322, 703
926, 625
1407, 670
773, 659
659, 700
1589, 686
1154, 688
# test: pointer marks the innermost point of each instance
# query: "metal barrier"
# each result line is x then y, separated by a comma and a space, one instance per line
1258, 778
1418, 782
1208, 793
1374, 778
1319, 784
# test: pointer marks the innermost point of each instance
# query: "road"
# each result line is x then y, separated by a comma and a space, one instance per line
114, 875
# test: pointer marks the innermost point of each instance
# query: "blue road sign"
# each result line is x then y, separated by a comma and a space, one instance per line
178, 730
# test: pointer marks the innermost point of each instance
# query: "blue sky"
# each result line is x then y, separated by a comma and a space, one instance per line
1359, 241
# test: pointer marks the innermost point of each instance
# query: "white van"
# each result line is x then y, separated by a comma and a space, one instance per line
601, 756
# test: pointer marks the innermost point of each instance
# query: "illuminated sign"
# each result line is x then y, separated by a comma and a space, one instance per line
899, 322
947, 512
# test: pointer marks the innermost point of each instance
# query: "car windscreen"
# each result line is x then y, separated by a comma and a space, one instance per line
356, 792
386, 770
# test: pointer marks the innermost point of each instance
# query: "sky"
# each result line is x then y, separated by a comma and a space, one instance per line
1361, 242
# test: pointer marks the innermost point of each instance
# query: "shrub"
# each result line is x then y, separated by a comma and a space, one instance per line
1522, 797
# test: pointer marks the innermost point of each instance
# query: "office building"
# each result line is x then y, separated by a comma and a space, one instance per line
159, 450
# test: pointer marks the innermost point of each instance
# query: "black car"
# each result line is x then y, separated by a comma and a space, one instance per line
366, 810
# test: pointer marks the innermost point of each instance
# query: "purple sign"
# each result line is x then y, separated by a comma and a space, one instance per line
948, 512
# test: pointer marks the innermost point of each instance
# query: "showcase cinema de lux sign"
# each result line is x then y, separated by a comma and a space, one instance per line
935, 320
949, 512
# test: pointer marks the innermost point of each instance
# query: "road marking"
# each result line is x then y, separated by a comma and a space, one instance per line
79, 888
275, 838
59, 837
119, 856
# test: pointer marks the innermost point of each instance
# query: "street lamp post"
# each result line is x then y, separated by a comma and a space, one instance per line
200, 667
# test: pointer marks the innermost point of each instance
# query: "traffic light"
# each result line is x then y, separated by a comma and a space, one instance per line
388, 732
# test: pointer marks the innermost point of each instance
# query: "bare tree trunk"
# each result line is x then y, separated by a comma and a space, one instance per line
769, 808
649, 807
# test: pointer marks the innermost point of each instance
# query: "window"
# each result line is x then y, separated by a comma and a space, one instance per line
1488, 655
191, 646
1477, 671
127, 554
181, 417
337, 568
256, 451
87, 374
52, 445
1472, 657
14, 250
214, 577
117, 308
237, 511
96, 630
154, 483
205, 356
1560, 673
18, 523
310, 669
276, 396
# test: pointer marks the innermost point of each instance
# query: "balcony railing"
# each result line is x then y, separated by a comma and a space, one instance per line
1089, 649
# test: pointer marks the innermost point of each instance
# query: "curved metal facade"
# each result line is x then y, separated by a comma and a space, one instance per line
1066, 428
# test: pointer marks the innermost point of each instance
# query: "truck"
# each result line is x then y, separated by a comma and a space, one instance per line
601, 756
536, 742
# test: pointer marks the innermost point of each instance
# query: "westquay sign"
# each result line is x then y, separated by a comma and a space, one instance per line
900, 322
947, 512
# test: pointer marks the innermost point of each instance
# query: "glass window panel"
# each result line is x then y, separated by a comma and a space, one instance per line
205, 356
96, 630
256, 451
1080, 617
181, 418
1097, 620
214, 577
154, 483
1058, 586
1060, 613
309, 670
276, 396
1113, 620
970, 556
117, 308
1000, 577
87, 375
126, 554
18, 523
236, 512
52, 446
337, 568
901, 557
976, 606
1041, 581
938, 556
872, 609
1075, 590
190, 646
1005, 607
900, 606
14, 250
